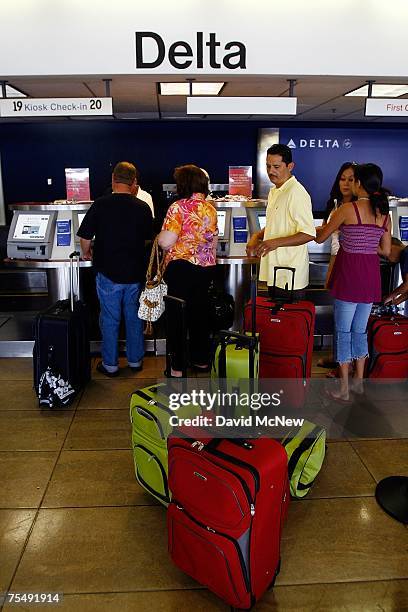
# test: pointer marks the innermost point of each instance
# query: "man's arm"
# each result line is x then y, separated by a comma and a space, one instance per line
274, 243
86, 249
253, 242
399, 295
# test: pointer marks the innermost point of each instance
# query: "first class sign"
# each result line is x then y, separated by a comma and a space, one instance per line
386, 107
55, 107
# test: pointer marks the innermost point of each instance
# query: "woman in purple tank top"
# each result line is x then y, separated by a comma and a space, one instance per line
355, 282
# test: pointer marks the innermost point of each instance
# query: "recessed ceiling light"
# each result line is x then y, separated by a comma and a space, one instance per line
380, 90
174, 89
207, 89
197, 89
12, 92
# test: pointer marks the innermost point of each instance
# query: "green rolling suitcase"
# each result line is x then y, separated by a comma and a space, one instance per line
237, 355
149, 415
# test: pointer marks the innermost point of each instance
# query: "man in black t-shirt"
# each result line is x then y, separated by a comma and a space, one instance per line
120, 224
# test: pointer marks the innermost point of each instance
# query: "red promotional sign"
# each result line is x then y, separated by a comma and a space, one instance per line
77, 182
240, 180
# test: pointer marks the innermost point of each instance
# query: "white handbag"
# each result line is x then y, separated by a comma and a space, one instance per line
152, 297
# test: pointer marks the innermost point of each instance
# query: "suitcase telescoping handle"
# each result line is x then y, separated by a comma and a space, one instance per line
254, 283
182, 306
245, 340
275, 270
73, 294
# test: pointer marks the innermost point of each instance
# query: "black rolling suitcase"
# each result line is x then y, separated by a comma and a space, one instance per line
61, 356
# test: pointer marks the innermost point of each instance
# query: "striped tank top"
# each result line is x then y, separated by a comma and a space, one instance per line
356, 271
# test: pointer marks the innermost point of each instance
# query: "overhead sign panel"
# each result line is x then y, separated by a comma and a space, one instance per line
55, 107
200, 105
219, 38
386, 107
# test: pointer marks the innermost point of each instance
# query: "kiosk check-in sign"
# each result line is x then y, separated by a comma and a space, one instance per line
55, 107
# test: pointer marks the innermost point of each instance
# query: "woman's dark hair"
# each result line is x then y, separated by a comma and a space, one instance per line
190, 179
335, 193
371, 177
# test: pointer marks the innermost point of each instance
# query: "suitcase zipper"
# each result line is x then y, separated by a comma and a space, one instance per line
201, 446
152, 417
166, 497
223, 535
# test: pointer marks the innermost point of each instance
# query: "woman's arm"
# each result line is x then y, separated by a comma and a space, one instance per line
167, 239
336, 219
384, 248
171, 227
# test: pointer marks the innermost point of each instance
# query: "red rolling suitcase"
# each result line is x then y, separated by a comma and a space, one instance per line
387, 346
229, 501
285, 337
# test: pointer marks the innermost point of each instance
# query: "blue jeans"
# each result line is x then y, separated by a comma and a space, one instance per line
350, 328
114, 297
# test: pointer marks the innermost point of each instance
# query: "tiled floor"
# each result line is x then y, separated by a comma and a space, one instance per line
73, 519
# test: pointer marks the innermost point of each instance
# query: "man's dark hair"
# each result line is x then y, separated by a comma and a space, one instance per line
283, 150
190, 179
124, 172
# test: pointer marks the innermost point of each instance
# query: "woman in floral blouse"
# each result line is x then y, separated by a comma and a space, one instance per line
189, 237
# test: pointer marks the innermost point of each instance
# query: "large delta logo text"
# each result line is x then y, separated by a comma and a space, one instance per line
151, 52
319, 143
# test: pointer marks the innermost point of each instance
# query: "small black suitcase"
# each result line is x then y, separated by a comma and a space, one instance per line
61, 356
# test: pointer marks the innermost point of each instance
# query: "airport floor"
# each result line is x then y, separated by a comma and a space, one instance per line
73, 520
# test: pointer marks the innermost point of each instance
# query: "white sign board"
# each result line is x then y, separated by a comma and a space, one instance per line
386, 107
208, 105
194, 37
54, 107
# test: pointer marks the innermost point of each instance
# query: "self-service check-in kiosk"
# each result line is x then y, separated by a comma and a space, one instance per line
31, 235
399, 216
42, 236
45, 231
237, 220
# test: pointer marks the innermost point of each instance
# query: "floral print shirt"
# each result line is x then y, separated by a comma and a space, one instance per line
194, 220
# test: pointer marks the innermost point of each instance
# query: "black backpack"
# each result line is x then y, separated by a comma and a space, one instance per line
221, 308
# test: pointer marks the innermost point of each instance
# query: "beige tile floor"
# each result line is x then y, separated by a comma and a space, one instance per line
74, 520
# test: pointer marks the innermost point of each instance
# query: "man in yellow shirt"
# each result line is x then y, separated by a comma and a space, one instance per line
289, 226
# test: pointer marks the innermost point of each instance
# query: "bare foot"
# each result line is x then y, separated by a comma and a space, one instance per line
357, 386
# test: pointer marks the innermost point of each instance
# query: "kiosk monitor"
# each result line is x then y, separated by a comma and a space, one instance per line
80, 218
31, 235
262, 220
221, 219
31, 227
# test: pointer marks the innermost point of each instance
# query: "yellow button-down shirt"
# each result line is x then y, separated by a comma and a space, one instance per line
289, 212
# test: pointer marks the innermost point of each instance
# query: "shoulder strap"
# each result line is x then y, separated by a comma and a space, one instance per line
384, 225
357, 213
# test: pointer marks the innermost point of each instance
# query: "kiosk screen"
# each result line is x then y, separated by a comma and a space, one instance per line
31, 227
262, 220
221, 216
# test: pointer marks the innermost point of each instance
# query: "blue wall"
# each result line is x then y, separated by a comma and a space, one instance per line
33, 152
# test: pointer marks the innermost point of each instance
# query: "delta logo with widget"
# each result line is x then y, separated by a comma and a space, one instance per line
319, 143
